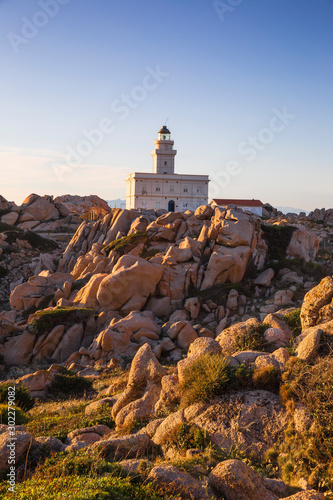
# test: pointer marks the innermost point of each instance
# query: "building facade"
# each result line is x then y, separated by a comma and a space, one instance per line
163, 188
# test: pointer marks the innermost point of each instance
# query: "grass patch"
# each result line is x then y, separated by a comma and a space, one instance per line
46, 320
79, 487
211, 376
127, 243
59, 419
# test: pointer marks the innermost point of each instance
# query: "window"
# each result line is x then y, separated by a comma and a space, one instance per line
172, 189
157, 205
158, 188
165, 163
144, 204
198, 189
185, 190
184, 206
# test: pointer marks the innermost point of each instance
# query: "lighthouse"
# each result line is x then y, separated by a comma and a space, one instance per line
163, 188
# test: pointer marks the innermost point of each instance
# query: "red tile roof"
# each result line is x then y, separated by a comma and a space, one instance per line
239, 203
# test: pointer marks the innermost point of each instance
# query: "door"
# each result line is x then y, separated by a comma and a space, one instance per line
171, 206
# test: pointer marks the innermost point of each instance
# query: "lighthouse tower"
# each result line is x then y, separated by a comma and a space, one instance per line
162, 188
164, 154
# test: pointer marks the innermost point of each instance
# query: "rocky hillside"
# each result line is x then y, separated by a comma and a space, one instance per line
193, 343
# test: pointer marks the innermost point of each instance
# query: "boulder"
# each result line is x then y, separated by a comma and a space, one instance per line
232, 337
237, 481
197, 349
172, 481
315, 300
229, 420
143, 389
308, 348
192, 305
204, 212
69, 343
18, 350
86, 297
306, 495
265, 278
130, 446
303, 244
226, 264
10, 218
17, 449
40, 209
132, 281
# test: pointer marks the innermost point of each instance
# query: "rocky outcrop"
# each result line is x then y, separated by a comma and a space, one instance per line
237, 481
303, 244
143, 389
317, 305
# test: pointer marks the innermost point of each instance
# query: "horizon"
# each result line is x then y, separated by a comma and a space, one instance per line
246, 88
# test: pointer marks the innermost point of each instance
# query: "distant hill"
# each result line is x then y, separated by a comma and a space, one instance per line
117, 203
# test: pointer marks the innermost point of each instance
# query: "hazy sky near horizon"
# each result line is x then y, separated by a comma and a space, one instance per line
246, 84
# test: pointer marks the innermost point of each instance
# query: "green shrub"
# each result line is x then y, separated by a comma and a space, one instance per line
20, 416
204, 379
267, 378
127, 243
211, 376
4, 228
253, 339
278, 239
22, 396
37, 241
187, 436
67, 383
293, 320
44, 321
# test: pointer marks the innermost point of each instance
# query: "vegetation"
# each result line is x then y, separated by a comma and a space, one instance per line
38, 242
309, 452
211, 376
278, 239
219, 293
253, 339
20, 416
186, 436
4, 228
293, 320
80, 487
22, 396
127, 243
59, 419
67, 383
267, 378
46, 320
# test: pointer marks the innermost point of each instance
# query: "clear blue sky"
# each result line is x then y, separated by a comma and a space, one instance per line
226, 74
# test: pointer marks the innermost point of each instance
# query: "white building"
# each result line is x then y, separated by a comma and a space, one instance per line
163, 188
